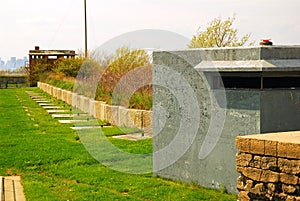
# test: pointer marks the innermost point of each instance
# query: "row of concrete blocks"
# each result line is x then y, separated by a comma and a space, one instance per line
116, 115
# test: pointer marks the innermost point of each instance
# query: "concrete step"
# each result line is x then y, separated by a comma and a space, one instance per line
11, 189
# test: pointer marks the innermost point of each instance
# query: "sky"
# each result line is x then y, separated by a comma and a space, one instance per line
59, 24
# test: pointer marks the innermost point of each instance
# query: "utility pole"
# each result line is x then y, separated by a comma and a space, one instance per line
85, 22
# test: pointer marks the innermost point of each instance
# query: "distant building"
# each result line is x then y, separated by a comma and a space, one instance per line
49, 56
12, 64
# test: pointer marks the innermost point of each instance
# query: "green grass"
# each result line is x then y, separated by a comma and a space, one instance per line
54, 165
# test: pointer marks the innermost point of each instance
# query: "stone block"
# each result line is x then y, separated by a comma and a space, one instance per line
103, 111
290, 198
243, 159
255, 162
271, 148
288, 179
147, 121
75, 100
243, 144
258, 189
135, 117
257, 146
271, 187
85, 104
51, 90
269, 176
251, 173
97, 108
69, 98
112, 114
288, 189
243, 196
240, 183
92, 107
54, 91
59, 94
289, 150
249, 185
123, 117
289, 166
268, 163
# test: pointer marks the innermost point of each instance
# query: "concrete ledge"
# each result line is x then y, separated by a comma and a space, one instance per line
11, 189
116, 115
286, 145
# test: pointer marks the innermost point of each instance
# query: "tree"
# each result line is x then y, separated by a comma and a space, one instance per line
219, 34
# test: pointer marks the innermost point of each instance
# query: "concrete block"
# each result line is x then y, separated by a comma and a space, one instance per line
112, 114
64, 95
69, 97
92, 107
85, 104
59, 94
123, 117
75, 100
103, 113
135, 118
97, 109
147, 122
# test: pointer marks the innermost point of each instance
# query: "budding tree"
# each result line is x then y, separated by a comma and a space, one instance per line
219, 34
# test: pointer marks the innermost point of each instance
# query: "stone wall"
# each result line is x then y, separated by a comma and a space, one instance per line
116, 115
269, 166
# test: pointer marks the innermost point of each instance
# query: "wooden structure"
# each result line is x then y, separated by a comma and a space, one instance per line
48, 56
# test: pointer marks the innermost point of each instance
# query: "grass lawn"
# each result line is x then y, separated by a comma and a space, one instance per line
54, 165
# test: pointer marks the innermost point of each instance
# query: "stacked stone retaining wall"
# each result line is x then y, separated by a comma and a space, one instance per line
269, 166
116, 115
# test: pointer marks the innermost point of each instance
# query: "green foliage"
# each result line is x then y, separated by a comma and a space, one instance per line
54, 165
39, 68
219, 34
126, 59
223, 189
62, 74
69, 67
122, 63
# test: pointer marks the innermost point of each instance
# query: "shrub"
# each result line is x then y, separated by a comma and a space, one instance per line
69, 67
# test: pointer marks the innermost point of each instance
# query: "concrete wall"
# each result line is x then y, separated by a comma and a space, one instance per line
116, 115
269, 166
247, 111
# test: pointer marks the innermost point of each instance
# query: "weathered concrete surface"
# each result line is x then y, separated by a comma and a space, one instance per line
181, 75
280, 110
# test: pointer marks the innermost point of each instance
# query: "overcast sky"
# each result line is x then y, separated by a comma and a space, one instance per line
58, 24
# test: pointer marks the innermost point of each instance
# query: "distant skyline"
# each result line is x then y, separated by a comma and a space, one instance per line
13, 63
59, 24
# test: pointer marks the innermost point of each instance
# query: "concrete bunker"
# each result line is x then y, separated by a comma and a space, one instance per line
256, 88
